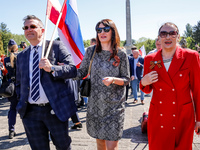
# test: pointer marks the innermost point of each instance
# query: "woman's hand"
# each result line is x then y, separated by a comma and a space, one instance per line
107, 80
149, 78
197, 128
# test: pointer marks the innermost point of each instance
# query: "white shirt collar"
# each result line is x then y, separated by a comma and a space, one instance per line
39, 44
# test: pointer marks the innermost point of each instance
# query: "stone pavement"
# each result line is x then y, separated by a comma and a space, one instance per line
132, 138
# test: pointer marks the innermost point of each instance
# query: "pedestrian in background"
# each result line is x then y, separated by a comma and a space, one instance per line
173, 75
10, 65
109, 77
158, 46
136, 73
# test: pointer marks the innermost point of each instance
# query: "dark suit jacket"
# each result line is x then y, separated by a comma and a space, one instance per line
59, 93
139, 70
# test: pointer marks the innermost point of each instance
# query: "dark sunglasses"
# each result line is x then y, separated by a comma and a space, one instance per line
198, 51
117, 61
163, 34
106, 29
31, 27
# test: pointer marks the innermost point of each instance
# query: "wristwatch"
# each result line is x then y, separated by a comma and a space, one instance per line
52, 69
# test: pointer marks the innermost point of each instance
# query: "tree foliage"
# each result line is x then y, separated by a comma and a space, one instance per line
149, 44
196, 32
190, 43
20, 38
1, 45
5, 36
86, 43
188, 32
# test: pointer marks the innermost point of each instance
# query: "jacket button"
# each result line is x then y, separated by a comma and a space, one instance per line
174, 115
161, 126
180, 75
173, 103
160, 102
161, 115
160, 89
174, 128
173, 89
28, 88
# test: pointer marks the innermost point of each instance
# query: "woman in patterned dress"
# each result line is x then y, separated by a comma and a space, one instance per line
109, 77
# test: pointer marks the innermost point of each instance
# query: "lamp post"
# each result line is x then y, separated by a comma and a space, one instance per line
128, 28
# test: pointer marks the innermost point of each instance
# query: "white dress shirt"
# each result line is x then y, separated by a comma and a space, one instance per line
43, 97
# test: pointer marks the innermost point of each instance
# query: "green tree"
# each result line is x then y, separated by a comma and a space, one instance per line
86, 43
149, 44
1, 45
5, 36
196, 32
188, 31
19, 38
190, 43
122, 43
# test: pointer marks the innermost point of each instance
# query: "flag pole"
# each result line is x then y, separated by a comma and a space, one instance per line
44, 38
58, 21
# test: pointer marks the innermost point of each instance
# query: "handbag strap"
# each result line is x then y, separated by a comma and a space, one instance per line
91, 60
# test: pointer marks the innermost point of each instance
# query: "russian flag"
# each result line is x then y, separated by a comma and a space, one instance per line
69, 28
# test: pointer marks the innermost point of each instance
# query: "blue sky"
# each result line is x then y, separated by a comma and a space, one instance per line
146, 16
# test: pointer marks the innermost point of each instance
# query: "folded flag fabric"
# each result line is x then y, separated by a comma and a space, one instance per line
69, 27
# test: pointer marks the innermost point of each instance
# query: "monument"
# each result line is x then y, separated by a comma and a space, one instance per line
128, 28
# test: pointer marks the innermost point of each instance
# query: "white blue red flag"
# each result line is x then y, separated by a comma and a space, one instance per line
69, 28
142, 51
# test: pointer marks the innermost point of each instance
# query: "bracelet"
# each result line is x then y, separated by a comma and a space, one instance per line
113, 80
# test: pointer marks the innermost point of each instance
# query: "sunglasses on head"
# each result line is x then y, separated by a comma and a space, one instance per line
106, 29
31, 27
163, 34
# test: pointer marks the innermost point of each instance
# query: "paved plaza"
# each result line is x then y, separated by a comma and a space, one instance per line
132, 138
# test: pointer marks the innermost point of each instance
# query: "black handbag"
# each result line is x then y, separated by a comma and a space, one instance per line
7, 89
85, 86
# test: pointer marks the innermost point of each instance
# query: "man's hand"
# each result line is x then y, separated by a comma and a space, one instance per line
132, 78
2, 68
138, 64
45, 64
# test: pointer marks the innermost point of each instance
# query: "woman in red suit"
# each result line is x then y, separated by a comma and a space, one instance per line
173, 75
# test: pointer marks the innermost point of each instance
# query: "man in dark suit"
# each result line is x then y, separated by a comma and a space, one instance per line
136, 72
45, 100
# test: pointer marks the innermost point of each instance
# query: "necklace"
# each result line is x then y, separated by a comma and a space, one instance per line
167, 60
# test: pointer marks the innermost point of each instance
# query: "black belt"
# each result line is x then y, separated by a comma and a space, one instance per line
40, 105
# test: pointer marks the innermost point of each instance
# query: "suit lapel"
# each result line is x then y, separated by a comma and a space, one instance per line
162, 73
176, 63
26, 61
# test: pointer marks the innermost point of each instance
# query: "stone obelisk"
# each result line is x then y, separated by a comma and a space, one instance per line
128, 28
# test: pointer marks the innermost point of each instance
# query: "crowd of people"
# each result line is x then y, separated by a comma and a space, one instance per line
170, 72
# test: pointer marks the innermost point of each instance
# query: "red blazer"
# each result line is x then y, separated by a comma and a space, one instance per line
171, 114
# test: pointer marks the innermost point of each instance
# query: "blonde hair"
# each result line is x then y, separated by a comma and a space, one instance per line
12, 49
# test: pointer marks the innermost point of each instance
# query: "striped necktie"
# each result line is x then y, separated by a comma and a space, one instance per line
35, 89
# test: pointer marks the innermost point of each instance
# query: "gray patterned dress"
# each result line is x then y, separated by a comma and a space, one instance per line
105, 109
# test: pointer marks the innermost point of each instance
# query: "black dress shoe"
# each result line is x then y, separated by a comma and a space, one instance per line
77, 126
11, 134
